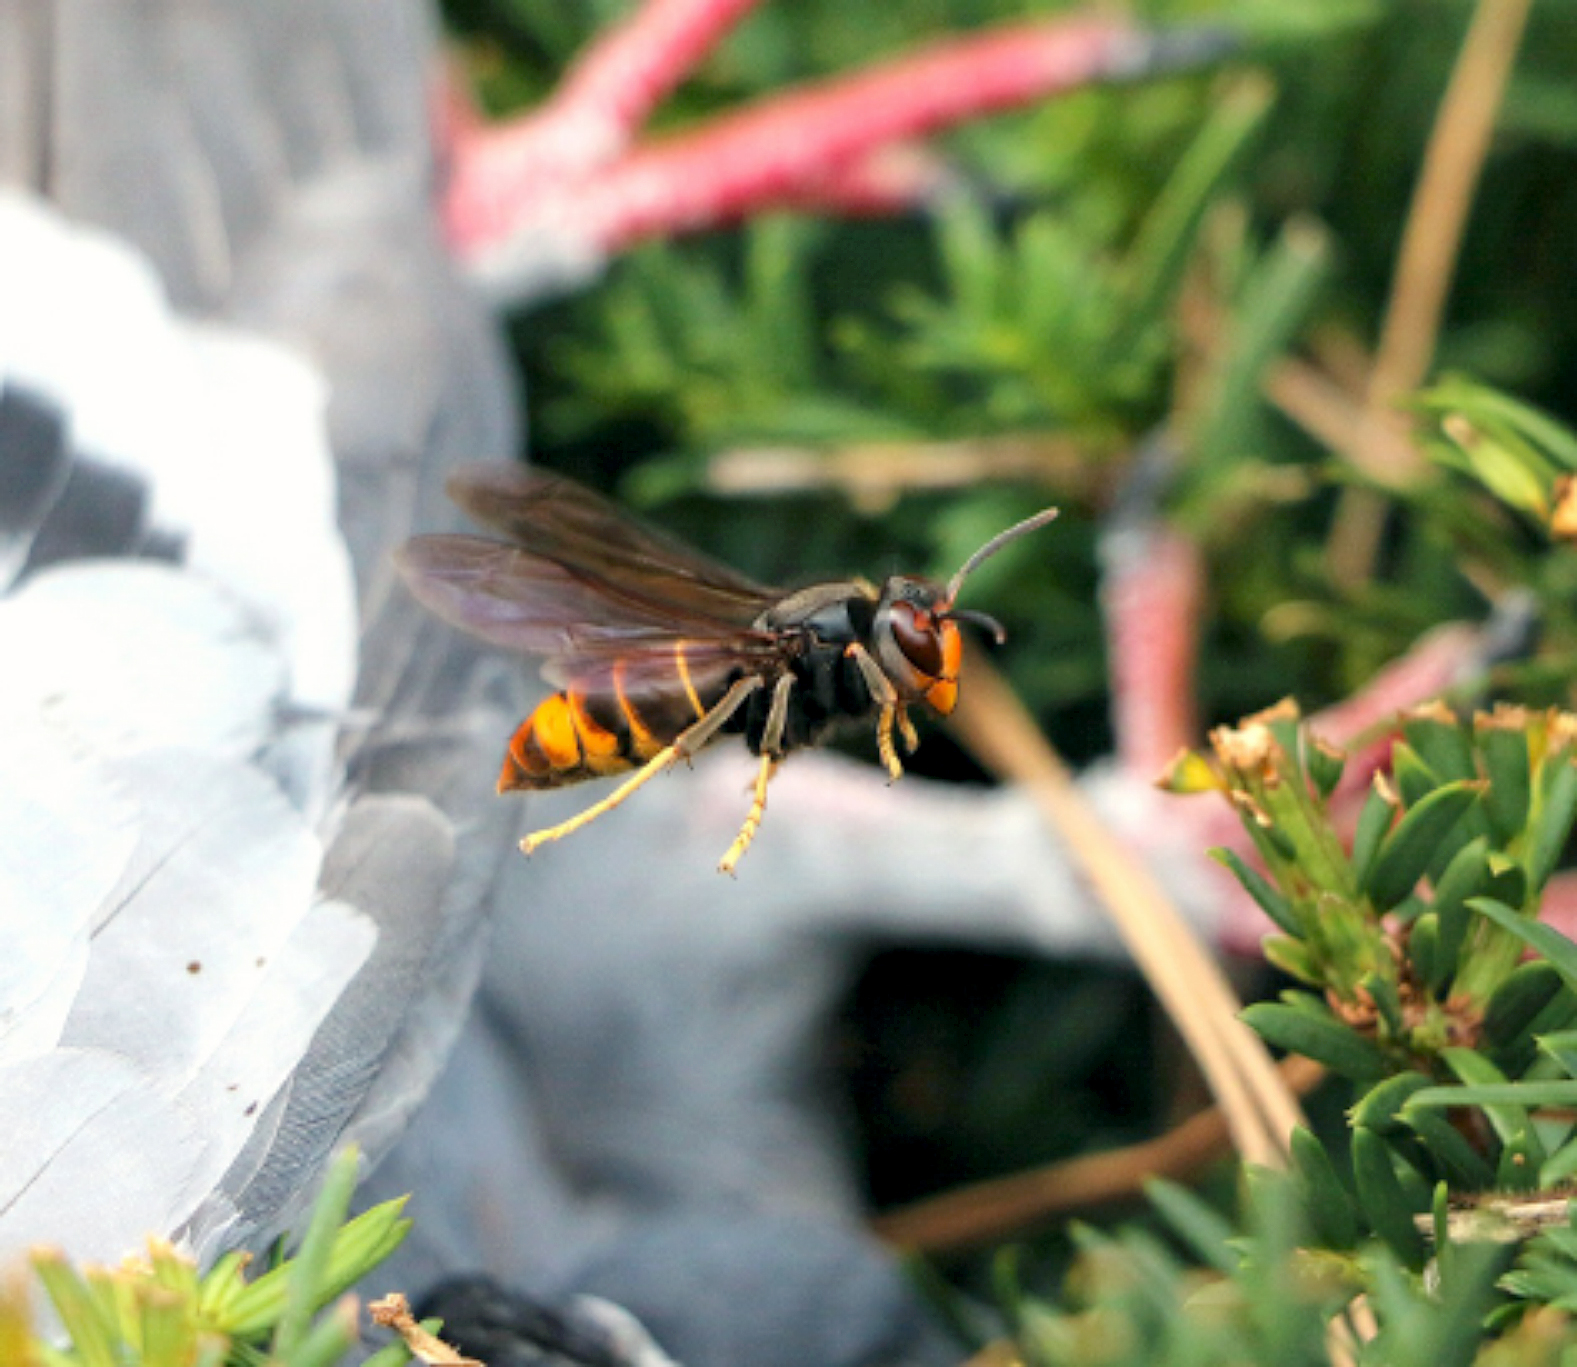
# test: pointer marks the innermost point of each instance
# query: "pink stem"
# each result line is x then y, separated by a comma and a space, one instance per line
554, 187
1369, 718
1152, 595
1365, 723
1559, 907
623, 76
891, 180
773, 151
500, 174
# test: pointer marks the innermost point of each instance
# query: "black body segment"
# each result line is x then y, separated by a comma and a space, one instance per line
579, 734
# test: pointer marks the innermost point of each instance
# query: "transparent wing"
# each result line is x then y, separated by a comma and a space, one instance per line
564, 522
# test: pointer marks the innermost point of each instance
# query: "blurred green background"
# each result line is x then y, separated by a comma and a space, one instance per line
1129, 260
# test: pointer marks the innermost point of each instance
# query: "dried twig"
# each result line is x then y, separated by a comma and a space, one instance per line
1501, 1217
989, 1212
1426, 265
394, 1312
874, 474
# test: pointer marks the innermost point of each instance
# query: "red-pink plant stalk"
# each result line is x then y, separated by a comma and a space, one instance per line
628, 70
565, 181
595, 114
891, 180
769, 153
1152, 599
611, 90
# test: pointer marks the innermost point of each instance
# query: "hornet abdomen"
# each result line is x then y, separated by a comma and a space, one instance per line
582, 734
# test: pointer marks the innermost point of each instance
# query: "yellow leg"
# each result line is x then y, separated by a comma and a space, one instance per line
663, 759
758, 806
771, 756
911, 739
891, 709
885, 749
683, 748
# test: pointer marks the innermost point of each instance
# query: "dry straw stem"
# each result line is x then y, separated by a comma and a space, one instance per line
875, 474
1497, 1218
1317, 403
1426, 265
1317, 398
986, 1213
394, 1312
1259, 1109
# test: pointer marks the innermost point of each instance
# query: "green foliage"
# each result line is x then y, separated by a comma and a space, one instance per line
1517, 452
1049, 317
1144, 259
159, 1311
1412, 933
1441, 1230
1134, 1300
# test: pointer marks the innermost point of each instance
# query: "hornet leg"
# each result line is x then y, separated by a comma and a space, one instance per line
883, 691
771, 756
911, 739
688, 742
